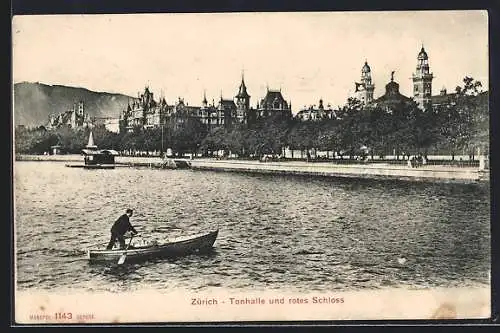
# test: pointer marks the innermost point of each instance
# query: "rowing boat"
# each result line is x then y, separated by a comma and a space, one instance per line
174, 248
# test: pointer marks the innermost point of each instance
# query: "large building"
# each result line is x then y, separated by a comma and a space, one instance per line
146, 112
274, 104
74, 117
422, 88
313, 113
212, 115
143, 112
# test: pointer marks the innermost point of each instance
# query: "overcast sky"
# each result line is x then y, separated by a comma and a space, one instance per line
308, 55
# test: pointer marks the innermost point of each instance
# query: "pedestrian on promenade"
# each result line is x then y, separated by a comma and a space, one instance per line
413, 161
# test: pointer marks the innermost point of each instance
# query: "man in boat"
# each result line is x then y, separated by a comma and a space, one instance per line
119, 228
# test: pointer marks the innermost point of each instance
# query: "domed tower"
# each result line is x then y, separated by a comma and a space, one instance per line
242, 101
422, 80
366, 87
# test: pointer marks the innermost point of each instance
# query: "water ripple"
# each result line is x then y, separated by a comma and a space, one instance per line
275, 231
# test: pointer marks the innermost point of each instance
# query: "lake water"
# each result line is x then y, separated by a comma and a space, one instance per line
275, 231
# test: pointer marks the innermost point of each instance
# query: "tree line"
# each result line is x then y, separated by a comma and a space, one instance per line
459, 127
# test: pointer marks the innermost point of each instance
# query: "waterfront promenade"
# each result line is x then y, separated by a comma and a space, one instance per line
321, 169
360, 170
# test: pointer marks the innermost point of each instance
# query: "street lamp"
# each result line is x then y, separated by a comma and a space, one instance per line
162, 124
161, 151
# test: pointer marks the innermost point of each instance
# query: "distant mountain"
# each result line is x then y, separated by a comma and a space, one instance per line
33, 102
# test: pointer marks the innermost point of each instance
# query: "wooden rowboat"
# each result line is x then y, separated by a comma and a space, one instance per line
178, 247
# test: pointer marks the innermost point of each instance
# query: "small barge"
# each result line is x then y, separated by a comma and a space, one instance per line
96, 158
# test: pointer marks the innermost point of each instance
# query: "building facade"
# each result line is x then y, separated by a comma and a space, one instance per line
422, 88
143, 111
146, 112
313, 113
274, 104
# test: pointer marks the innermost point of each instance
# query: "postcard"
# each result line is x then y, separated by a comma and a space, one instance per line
265, 166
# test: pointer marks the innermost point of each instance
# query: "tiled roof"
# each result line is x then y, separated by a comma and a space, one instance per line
391, 99
227, 103
449, 98
271, 96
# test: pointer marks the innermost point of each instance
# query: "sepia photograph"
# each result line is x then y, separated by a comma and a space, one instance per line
251, 167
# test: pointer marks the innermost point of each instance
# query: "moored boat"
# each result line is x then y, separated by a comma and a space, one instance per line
99, 159
168, 163
95, 158
178, 247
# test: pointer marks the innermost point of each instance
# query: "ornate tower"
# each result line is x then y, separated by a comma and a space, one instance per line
366, 79
422, 80
364, 89
81, 108
242, 101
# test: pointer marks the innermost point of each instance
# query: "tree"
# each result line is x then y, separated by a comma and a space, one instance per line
214, 141
456, 122
301, 136
235, 141
274, 135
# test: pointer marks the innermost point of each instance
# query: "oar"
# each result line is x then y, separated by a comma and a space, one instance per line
124, 255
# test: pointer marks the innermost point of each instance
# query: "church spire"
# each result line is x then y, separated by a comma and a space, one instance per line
243, 98
242, 92
204, 102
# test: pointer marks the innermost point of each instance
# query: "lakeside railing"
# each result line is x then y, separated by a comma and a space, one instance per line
453, 163
459, 163
431, 161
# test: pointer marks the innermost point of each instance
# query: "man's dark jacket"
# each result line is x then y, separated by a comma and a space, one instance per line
122, 225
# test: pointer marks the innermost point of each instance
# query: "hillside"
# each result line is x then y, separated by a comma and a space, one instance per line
33, 102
